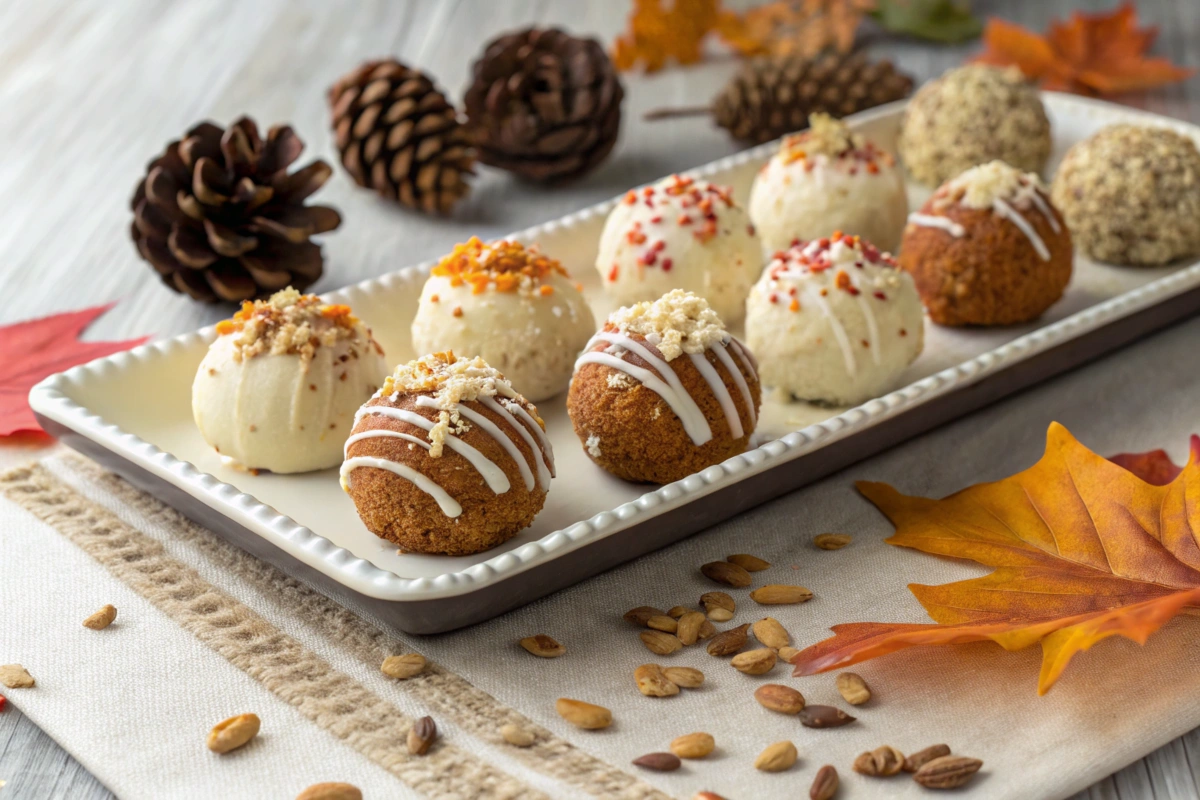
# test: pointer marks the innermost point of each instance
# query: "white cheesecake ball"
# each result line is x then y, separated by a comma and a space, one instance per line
279, 387
510, 305
824, 180
680, 233
834, 321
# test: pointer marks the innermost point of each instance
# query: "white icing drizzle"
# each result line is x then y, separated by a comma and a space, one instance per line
382, 433
1012, 215
1042, 206
719, 390
945, 223
724, 357
668, 387
488, 426
839, 332
745, 356
446, 503
547, 448
492, 475
544, 464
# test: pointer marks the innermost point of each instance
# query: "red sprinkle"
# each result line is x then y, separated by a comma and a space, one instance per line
903, 332
656, 218
880, 296
3, 702
658, 246
774, 298
612, 273
865, 343
648, 258
684, 219
750, 229
666, 265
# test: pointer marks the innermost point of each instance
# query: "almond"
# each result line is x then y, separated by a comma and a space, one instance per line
403, 667
677, 611
331, 791
707, 630
516, 735
720, 615
777, 757
788, 653
639, 615
824, 717
421, 736
726, 573
707, 796
14, 676
825, 785
832, 541
922, 757
689, 627
101, 619
583, 715
882, 762
662, 622
748, 563
653, 683
947, 772
659, 762
771, 633
659, 643
777, 697
684, 677
718, 605
754, 662
853, 688
693, 745
728, 642
778, 594
543, 646
232, 733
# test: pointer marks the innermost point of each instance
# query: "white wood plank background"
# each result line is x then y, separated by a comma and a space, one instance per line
92, 89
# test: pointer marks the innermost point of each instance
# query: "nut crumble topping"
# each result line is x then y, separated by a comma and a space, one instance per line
291, 323
676, 323
830, 140
504, 266
980, 187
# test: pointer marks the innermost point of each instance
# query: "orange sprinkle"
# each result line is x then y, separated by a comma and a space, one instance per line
433, 298
545, 290
794, 305
225, 326
457, 311
502, 263
872, 167
333, 312
842, 281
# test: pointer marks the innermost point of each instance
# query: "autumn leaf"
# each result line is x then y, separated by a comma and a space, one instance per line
1084, 549
655, 34
794, 27
29, 351
1092, 54
1155, 466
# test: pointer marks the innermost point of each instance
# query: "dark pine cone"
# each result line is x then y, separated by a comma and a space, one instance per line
219, 217
770, 97
399, 136
544, 104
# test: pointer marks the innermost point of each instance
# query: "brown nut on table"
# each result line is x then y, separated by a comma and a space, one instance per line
14, 676
102, 618
853, 688
726, 573
653, 683
232, 733
659, 643
777, 757
516, 735
662, 622
824, 717
825, 785
882, 762
755, 662
778, 594
947, 772
832, 541
331, 791
638, 616
693, 745
689, 627
583, 715
421, 736
684, 677
748, 562
922, 757
771, 633
404, 666
543, 646
728, 642
659, 762
777, 697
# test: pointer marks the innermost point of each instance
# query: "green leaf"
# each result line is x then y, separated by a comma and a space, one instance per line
946, 21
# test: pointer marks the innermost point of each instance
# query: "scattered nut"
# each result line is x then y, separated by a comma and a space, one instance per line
748, 563
707, 631
778, 594
922, 757
653, 683
771, 633
729, 641
101, 619
777, 757
777, 697
516, 735
684, 677
693, 745
707, 796
543, 646
853, 688
583, 715
882, 762
659, 643
832, 541
788, 653
403, 667
755, 662
825, 785
689, 627
662, 622
947, 772
331, 791
719, 606
824, 717
720, 615
421, 736
678, 611
659, 762
638, 616
726, 573
234, 732
14, 676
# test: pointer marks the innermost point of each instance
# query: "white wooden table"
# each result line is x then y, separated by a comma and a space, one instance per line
92, 89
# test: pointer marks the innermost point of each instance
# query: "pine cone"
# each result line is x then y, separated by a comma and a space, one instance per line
544, 104
219, 217
769, 97
399, 136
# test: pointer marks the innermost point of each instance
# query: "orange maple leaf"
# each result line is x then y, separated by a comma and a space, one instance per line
1090, 54
1084, 549
800, 27
655, 34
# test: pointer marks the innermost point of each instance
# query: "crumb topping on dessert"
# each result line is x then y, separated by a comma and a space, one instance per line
676, 323
504, 266
843, 263
830, 140
291, 323
980, 187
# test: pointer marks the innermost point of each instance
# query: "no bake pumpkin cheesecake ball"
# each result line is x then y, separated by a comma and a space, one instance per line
279, 386
663, 391
517, 309
447, 457
1131, 195
970, 116
828, 179
680, 233
988, 248
834, 321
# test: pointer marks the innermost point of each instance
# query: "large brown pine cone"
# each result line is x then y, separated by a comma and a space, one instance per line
219, 217
399, 135
544, 104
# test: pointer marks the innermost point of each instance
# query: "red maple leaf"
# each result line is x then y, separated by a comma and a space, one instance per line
29, 351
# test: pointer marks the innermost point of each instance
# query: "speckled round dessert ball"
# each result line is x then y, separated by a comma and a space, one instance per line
972, 115
447, 458
828, 179
1131, 195
663, 391
512, 306
280, 384
834, 321
685, 234
988, 248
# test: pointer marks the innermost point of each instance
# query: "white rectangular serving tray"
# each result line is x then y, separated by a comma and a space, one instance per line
132, 412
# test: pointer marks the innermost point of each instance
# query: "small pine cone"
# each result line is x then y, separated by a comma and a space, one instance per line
544, 104
770, 97
219, 217
399, 135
